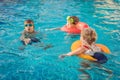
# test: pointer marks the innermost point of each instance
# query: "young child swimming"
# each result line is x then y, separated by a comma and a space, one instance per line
29, 34
73, 26
88, 46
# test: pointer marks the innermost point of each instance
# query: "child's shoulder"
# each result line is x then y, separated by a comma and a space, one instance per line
37, 32
82, 23
22, 31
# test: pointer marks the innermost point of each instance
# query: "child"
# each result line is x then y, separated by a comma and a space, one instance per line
89, 47
73, 24
29, 34
73, 21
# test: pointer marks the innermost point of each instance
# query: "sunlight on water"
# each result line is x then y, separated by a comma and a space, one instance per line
40, 61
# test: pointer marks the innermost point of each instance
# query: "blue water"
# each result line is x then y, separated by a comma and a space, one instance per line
36, 62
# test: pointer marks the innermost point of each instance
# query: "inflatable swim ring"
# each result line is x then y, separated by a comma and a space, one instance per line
77, 44
72, 30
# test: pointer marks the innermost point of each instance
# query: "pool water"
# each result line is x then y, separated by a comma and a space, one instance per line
37, 62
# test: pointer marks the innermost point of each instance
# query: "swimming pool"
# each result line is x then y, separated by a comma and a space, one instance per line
39, 63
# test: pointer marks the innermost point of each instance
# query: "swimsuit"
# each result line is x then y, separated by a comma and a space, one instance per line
96, 53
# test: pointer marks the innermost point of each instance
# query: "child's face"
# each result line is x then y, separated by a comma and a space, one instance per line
29, 27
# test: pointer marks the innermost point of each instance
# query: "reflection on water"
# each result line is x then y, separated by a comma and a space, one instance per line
98, 69
32, 63
108, 12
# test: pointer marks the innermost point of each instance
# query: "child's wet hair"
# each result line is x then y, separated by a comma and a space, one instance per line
29, 21
89, 35
75, 19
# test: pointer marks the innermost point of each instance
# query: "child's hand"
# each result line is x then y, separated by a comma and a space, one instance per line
27, 41
62, 56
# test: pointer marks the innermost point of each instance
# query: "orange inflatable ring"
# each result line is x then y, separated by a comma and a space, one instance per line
73, 30
77, 44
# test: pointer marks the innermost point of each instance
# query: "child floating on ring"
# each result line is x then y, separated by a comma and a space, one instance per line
29, 34
88, 46
73, 26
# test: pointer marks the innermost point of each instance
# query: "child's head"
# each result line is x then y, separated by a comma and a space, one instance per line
72, 19
89, 35
29, 25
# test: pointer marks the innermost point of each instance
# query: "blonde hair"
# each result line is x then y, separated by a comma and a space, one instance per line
89, 35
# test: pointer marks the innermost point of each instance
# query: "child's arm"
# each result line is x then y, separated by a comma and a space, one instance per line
53, 29
22, 37
26, 40
58, 28
76, 52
